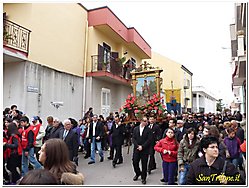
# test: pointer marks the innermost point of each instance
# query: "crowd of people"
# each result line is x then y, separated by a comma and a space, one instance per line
193, 147
31, 150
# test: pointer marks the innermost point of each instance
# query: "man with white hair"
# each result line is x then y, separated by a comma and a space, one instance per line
70, 137
57, 127
180, 130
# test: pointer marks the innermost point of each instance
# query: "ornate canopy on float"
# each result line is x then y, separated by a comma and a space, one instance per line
146, 84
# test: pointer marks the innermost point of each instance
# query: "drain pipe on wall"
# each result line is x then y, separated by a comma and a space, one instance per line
84, 71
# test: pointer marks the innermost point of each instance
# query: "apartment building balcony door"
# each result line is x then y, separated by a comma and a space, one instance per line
105, 102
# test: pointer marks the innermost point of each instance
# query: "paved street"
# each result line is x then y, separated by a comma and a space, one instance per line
104, 174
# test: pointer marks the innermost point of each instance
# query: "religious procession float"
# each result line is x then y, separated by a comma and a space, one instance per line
146, 98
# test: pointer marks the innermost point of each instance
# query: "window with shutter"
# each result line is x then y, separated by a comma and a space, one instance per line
107, 55
100, 56
105, 101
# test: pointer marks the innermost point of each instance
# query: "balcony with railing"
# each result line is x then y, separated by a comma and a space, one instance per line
111, 69
15, 36
106, 21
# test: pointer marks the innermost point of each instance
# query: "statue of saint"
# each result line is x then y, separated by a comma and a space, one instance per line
146, 91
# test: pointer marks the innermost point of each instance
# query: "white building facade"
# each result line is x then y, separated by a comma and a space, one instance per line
203, 101
39, 90
238, 35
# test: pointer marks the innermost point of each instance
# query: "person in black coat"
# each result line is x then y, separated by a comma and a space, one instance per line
14, 149
238, 116
49, 128
180, 131
70, 137
209, 169
96, 133
89, 113
156, 136
172, 124
117, 132
141, 138
190, 123
57, 127
87, 145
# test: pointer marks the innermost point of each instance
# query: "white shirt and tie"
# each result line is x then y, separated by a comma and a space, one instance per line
65, 134
180, 129
141, 129
151, 125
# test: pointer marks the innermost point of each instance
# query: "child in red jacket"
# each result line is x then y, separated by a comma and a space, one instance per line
168, 148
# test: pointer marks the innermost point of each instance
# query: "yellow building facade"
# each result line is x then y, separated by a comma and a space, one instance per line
57, 33
177, 81
108, 79
61, 71
68, 48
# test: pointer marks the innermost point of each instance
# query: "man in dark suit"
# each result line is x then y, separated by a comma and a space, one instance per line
71, 139
156, 136
117, 132
141, 138
57, 128
172, 124
180, 130
96, 133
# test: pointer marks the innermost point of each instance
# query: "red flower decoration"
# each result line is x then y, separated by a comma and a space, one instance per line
153, 105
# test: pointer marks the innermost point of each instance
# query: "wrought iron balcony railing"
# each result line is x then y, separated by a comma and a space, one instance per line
110, 65
16, 36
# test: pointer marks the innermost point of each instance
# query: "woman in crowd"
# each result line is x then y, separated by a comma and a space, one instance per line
206, 129
87, 145
14, 151
187, 153
226, 126
212, 130
233, 144
104, 141
38, 177
168, 147
223, 152
200, 130
6, 122
54, 156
